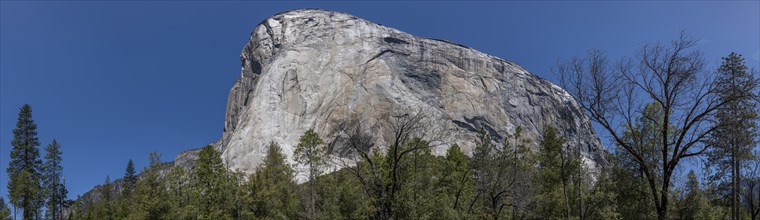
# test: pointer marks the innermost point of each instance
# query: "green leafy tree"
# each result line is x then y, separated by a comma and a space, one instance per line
24, 186
735, 135
211, 185
312, 153
270, 191
53, 180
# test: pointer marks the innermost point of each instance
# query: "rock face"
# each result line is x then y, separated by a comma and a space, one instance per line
312, 69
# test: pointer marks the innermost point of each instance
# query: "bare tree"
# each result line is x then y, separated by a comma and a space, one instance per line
751, 192
380, 172
670, 76
503, 175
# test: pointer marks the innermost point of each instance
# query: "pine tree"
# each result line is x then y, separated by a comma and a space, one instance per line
694, 204
130, 178
179, 194
5, 212
269, 192
24, 187
455, 187
149, 196
53, 180
734, 137
555, 172
211, 186
312, 153
104, 209
129, 182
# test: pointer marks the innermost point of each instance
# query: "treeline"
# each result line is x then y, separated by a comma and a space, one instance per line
403, 181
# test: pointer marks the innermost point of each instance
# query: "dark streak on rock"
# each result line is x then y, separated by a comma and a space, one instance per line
394, 40
382, 53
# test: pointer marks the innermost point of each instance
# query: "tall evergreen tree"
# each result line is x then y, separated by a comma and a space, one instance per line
694, 204
556, 168
149, 196
311, 152
53, 180
130, 178
178, 184
129, 182
270, 191
212, 185
24, 186
104, 209
735, 134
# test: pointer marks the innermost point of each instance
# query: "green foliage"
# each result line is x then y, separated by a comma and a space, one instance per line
212, 187
5, 212
693, 204
311, 153
24, 169
503, 178
555, 171
130, 179
178, 185
52, 173
149, 196
455, 188
735, 136
270, 191
407, 181
105, 208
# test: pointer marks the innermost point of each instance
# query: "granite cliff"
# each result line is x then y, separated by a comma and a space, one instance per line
312, 69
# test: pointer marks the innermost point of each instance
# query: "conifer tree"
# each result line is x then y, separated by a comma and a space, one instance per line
53, 180
211, 185
554, 176
312, 153
150, 194
735, 134
130, 178
456, 188
24, 186
693, 205
104, 209
270, 191
178, 185
129, 182
5, 212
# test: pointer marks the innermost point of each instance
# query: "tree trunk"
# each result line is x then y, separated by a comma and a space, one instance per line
734, 215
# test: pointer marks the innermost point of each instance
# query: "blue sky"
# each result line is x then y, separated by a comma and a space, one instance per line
112, 81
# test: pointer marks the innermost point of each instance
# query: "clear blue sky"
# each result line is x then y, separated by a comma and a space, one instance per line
113, 81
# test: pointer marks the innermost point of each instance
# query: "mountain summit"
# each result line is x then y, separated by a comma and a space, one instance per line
315, 69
